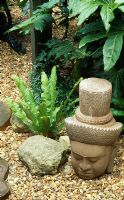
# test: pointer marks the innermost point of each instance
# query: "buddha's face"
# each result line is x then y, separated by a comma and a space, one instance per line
89, 161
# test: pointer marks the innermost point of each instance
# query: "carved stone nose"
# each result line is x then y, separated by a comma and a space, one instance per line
84, 165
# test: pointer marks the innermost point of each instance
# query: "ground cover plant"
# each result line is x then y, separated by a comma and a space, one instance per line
45, 118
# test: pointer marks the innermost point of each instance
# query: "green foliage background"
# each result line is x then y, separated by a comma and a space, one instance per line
96, 48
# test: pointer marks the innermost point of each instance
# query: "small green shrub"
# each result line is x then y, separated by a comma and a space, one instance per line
46, 117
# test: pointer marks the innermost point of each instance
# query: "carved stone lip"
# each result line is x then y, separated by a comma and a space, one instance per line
92, 134
82, 173
85, 176
91, 119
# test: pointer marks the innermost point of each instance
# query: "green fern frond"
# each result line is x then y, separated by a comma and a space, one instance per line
43, 109
45, 95
25, 92
33, 116
26, 95
45, 124
39, 17
52, 88
19, 113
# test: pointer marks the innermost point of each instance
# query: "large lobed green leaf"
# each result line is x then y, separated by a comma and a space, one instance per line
82, 8
85, 8
91, 38
88, 8
107, 16
74, 7
90, 28
111, 50
121, 8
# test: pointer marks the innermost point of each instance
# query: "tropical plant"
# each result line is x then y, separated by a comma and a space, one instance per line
108, 26
94, 31
44, 118
102, 34
97, 43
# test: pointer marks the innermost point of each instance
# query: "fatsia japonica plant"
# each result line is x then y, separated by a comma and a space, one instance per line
45, 118
109, 26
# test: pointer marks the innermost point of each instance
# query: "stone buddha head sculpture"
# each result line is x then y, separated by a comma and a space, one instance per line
93, 131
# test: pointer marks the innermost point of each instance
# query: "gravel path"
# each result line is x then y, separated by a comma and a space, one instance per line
65, 185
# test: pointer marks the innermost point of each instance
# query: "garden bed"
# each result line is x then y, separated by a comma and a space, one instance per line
65, 184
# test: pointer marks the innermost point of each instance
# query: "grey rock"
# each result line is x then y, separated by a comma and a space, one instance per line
4, 169
5, 114
17, 125
65, 140
43, 155
4, 188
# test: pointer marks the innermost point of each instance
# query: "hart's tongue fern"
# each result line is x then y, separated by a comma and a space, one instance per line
40, 118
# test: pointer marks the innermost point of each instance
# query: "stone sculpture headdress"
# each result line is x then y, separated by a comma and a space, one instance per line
93, 122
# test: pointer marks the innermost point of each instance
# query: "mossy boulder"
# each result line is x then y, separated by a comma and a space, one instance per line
43, 155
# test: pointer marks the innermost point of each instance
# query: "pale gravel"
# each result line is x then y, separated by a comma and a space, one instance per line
65, 184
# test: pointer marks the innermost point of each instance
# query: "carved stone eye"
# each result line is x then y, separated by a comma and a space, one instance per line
76, 156
93, 160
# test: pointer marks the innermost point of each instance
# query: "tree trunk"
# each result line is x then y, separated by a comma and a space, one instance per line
37, 37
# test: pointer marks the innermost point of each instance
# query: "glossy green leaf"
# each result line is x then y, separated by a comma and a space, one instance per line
107, 16
88, 8
74, 7
111, 50
121, 8
91, 38
91, 28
